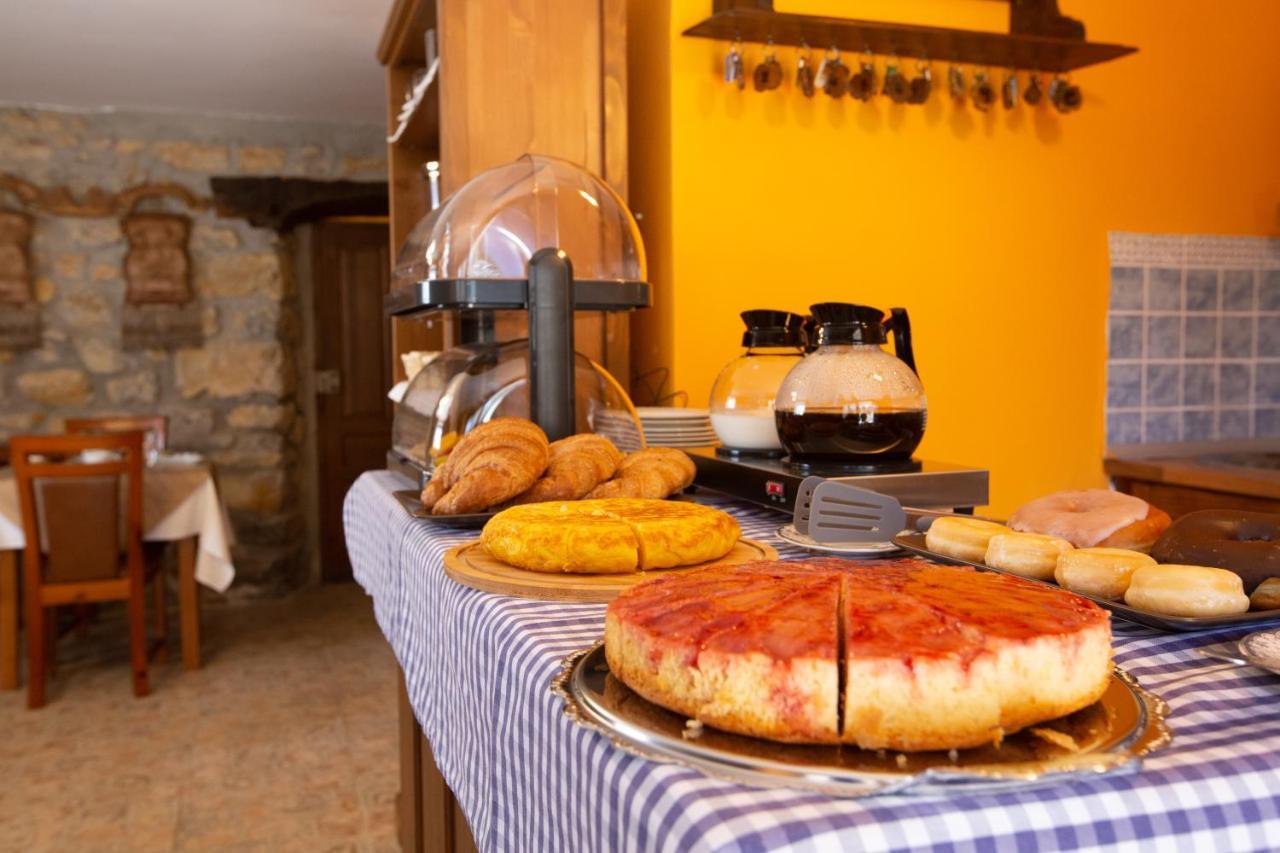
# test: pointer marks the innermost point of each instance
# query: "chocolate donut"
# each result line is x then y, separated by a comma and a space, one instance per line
1247, 543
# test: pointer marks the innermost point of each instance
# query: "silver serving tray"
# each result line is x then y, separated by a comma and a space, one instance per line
915, 542
1114, 734
412, 503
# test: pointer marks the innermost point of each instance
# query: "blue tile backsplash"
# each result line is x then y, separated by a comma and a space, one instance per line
1164, 289
1164, 336
1202, 290
1193, 338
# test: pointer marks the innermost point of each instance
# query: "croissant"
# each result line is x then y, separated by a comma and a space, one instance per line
577, 465
653, 473
491, 464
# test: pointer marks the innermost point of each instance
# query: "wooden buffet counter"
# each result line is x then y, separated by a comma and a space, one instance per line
1183, 478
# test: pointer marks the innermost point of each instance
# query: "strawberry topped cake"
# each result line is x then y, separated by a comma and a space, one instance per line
899, 654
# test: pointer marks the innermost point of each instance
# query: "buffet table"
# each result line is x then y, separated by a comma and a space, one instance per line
477, 668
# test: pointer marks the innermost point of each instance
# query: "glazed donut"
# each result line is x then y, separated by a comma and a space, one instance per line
1093, 518
1247, 543
1031, 555
1267, 595
1100, 572
1186, 591
962, 538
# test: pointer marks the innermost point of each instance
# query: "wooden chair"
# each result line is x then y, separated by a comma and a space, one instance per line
157, 426
71, 519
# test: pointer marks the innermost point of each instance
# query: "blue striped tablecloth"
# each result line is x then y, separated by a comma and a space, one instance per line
478, 668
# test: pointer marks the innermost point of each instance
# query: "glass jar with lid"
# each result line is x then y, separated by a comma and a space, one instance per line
742, 399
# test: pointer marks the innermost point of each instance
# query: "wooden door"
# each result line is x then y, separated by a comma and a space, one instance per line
350, 270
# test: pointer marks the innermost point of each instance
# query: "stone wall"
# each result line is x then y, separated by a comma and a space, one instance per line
235, 397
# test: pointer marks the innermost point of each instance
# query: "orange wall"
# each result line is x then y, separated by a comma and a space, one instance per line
990, 228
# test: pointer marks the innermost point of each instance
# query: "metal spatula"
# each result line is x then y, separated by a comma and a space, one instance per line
827, 511
831, 511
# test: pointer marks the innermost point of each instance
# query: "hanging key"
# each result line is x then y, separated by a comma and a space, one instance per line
804, 74
895, 87
1009, 90
955, 82
982, 92
735, 70
921, 84
863, 84
1065, 96
1033, 94
768, 74
833, 76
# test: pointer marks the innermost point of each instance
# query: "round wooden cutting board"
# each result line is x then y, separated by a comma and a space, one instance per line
470, 565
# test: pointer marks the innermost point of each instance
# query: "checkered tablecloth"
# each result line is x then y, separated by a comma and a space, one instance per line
478, 668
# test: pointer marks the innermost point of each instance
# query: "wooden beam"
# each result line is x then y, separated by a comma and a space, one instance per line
284, 203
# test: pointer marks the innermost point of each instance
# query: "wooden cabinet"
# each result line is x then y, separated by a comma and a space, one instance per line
1183, 484
516, 77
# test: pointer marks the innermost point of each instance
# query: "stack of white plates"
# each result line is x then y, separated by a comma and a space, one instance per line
619, 428
665, 426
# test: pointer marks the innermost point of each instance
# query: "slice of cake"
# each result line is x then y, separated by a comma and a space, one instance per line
751, 652
941, 657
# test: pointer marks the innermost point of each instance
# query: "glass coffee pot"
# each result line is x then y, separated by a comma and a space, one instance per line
848, 400
742, 398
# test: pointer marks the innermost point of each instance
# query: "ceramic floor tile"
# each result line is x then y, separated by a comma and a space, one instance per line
285, 740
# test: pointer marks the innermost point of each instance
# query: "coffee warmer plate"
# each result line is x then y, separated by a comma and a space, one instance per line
774, 483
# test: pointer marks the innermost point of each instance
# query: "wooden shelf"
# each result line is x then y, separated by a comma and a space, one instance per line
402, 38
759, 24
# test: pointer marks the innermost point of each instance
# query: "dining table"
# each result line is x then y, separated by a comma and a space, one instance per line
181, 504
477, 672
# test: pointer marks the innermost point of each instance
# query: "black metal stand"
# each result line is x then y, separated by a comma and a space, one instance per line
551, 381
477, 326
551, 295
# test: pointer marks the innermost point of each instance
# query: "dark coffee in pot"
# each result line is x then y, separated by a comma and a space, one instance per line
856, 437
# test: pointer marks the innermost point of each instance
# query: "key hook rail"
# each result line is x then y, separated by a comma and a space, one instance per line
1040, 38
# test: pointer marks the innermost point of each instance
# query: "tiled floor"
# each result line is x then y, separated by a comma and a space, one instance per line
285, 740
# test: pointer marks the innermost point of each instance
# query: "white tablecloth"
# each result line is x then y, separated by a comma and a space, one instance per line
179, 501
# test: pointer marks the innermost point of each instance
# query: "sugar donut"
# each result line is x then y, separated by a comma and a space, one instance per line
962, 538
1187, 591
1247, 543
1100, 572
1093, 518
1031, 555
1266, 596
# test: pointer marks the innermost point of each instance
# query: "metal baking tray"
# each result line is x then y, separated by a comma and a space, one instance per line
915, 542
412, 503
1114, 734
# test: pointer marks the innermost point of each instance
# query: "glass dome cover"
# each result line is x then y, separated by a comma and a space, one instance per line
474, 383
492, 226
